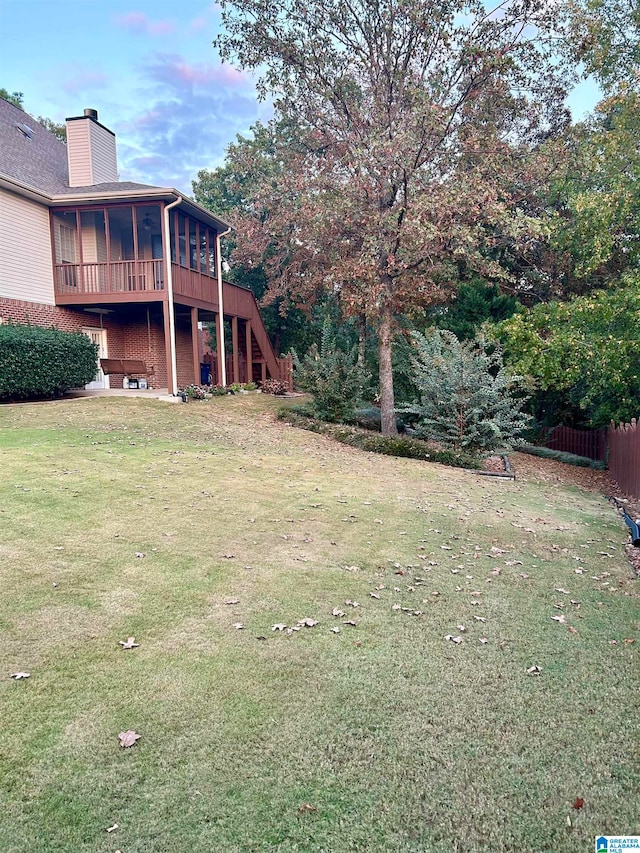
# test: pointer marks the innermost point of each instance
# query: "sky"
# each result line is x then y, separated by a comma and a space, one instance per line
149, 68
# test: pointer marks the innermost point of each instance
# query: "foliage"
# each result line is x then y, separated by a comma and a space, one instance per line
562, 456
414, 144
37, 362
401, 445
598, 200
15, 98
475, 302
467, 398
274, 386
196, 392
334, 377
588, 348
59, 129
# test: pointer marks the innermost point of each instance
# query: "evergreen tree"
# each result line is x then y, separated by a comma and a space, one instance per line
467, 399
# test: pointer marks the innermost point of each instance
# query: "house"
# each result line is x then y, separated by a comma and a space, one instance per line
135, 267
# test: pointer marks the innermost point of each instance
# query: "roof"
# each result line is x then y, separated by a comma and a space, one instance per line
35, 165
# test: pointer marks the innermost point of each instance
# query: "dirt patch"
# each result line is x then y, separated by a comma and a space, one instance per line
550, 471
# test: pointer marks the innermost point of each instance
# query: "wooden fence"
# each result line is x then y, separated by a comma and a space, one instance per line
591, 443
624, 456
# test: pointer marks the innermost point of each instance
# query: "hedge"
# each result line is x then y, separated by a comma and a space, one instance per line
37, 362
372, 442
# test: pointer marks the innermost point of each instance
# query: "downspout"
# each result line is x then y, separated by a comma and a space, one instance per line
172, 320
223, 366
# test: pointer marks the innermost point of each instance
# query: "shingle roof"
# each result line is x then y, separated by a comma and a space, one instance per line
41, 161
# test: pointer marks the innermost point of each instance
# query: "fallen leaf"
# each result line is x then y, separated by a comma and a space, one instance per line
350, 603
307, 807
496, 571
534, 670
307, 622
628, 641
562, 619
484, 641
350, 622
232, 601
374, 595
571, 629
613, 642
578, 803
139, 554
336, 630
453, 639
128, 738
337, 612
229, 556
18, 675
395, 607
562, 591
461, 628
112, 828
279, 626
129, 644
480, 618
238, 626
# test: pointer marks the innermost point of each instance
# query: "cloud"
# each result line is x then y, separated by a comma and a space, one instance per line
198, 24
83, 80
140, 24
173, 70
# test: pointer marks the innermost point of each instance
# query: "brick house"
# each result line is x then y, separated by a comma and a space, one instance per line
135, 267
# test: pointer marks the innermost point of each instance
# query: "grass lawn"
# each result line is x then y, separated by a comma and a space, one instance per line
124, 518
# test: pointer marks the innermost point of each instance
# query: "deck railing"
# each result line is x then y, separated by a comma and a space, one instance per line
114, 277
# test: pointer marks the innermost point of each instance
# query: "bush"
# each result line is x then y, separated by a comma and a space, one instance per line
274, 386
37, 362
562, 456
403, 446
334, 377
467, 399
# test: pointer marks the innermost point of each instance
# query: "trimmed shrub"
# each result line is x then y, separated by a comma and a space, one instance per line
562, 456
403, 446
37, 362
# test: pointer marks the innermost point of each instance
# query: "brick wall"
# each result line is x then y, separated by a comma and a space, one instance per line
184, 355
129, 333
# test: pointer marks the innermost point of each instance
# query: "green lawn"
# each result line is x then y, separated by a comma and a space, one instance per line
382, 737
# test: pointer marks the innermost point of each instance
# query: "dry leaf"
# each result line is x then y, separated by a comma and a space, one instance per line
238, 626
336, 630
562, 591
337, 612
495, 571
307, 622
112, 828
307, 807
395, 607
480, 618
350, 622
374, 595
534, 670
129, 644
453, 639
139, 554
562, 619
571, 629
628, 641
578, 803
279, 626
461, 628
18, 675
350, 603
484, 641
128, 738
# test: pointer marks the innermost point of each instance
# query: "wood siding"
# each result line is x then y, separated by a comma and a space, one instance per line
26, 270
104, 165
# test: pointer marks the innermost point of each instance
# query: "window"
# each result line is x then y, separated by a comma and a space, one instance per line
67, 244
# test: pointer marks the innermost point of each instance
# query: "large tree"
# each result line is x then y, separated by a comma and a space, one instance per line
416, 127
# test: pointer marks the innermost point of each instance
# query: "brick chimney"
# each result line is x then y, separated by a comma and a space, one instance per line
91, 151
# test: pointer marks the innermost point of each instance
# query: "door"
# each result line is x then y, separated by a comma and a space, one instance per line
99, 337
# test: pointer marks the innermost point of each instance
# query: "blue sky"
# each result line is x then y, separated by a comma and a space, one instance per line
149, 68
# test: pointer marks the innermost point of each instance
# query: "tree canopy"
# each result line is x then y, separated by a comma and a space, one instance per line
415, 137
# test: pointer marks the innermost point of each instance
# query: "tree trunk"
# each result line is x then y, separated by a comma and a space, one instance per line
387, 404
362, 339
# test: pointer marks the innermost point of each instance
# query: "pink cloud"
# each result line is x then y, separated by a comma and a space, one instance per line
83, 79
173, 69
139, 23
198, 24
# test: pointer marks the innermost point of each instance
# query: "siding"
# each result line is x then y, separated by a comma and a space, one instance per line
104, 166
79, 154
26, 270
